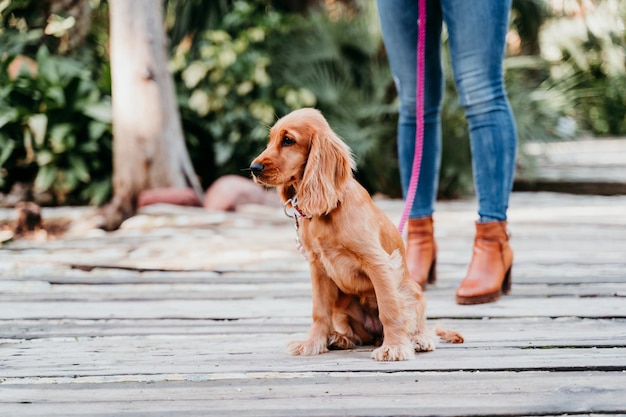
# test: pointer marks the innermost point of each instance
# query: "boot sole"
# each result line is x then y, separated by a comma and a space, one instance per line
483, 299
489, 298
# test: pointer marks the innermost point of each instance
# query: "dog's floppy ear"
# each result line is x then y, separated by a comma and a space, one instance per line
328, 169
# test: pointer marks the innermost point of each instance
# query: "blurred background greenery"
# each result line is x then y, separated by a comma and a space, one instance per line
238, 65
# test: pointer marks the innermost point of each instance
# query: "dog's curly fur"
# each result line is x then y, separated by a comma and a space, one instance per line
361, 288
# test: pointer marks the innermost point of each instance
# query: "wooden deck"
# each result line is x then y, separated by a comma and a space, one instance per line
185, 313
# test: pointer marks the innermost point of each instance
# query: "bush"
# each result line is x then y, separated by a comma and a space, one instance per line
55, 118
587, 54
55, 129
227, 96
235, 81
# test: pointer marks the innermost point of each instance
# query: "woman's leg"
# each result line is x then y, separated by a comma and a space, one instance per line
477, 31
399, 26
398, 20
477, 35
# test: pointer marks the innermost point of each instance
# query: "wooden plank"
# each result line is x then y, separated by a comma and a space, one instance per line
66, 358
448, 273
323, 394
508, 332
449, 276
580, 161
127, 342
607, 247
299, 307
37, 290
112, 276
44, 291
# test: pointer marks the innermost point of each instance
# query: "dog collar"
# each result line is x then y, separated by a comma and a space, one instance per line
297, 211
296, 214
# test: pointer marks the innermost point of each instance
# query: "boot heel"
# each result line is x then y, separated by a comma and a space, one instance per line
432, 272
506, 284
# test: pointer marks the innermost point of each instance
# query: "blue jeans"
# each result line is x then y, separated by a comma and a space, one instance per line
477, 31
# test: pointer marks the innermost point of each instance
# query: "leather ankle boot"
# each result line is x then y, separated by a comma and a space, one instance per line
421, 251
489, 274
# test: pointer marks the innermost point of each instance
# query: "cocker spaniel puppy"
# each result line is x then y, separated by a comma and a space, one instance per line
361, 288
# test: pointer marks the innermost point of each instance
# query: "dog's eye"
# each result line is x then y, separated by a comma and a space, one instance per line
287, 141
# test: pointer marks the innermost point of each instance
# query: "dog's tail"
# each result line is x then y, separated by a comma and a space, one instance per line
449, 336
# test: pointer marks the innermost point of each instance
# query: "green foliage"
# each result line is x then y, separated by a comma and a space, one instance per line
187, 18
591, 52
336, 64
235, 81
55, 112
527, 16
21, 25
227, 96
55, 130
239, 65
607, 114
339, 60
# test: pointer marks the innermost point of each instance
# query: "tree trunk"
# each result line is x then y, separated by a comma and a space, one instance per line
148, 146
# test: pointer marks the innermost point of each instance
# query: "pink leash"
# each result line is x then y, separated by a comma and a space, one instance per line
419, 115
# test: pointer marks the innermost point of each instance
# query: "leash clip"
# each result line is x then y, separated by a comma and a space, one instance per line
296, 214
291, 215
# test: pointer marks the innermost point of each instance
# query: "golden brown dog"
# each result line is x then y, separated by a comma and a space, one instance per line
360, 283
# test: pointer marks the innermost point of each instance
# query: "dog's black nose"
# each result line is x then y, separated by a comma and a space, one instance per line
256, 168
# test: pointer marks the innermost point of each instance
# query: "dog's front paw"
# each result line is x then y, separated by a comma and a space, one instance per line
393, 353
344, 341
423, 343
306, 347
